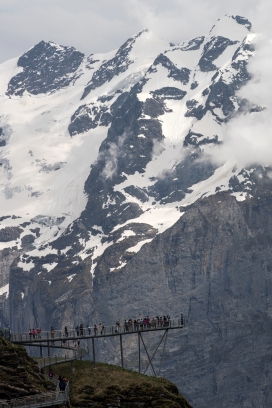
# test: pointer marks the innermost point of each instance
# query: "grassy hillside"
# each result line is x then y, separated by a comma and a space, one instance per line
112, 386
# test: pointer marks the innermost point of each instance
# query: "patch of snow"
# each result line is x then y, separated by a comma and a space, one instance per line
118, 267
126, 234
240, 196
26, 266
49, 267
71, 277
4, 290
137, 247
65, 250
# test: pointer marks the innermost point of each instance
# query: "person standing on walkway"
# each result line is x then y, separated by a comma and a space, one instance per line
52, 333
38, 330
89, 330
95, 330
101, 328
50, 374
65, 331
117, 327
81, 329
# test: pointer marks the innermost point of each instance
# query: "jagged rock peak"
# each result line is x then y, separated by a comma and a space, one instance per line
47, 67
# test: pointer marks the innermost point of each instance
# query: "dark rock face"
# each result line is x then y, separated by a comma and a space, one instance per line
123, 151
197, 139
168, 92
10, 234
176, 183
190, 45
214, 264
46, 68
178, 74
243, 21
113, 67
212, 49
222, 94
89, 117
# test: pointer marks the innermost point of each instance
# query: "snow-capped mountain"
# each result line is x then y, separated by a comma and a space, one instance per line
102, 156
137, 117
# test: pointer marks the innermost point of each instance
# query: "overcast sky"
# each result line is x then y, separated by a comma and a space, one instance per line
103, 25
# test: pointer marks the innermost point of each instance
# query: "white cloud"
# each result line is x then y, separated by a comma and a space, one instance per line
248, 137
101, 26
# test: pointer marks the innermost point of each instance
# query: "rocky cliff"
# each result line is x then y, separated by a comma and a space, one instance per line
19, 374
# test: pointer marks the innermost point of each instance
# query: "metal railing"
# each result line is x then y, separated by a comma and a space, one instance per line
5, 333
129, 327
39, 400
49, 361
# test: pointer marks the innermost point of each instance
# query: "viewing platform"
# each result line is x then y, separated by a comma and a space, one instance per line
108, 331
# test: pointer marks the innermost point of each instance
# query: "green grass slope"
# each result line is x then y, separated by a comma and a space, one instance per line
111, 386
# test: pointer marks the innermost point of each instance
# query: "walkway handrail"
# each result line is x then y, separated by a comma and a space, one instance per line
50, 336
49, 361
39, 400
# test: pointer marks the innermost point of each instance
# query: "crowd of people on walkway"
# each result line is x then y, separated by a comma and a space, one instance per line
144, 323
35, 333
128, 325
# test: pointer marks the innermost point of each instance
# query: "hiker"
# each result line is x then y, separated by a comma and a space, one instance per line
181, 320
62, 384
126, 325
117, 327
33, 333
89, 330
30, 334
101, 328
95, 330
51, 374
77, 330
81, 329
52, 333
65, 331
38, 330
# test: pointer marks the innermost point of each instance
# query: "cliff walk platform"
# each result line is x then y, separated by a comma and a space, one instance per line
85, 333
69, 339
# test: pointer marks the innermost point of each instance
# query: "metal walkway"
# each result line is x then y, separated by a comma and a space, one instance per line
108, 331
50, 339
39, 400
77, 354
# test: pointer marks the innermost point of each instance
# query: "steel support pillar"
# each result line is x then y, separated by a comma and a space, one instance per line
121, 350
93, 352
139, 347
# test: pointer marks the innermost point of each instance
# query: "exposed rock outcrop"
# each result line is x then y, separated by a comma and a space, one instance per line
19, 374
